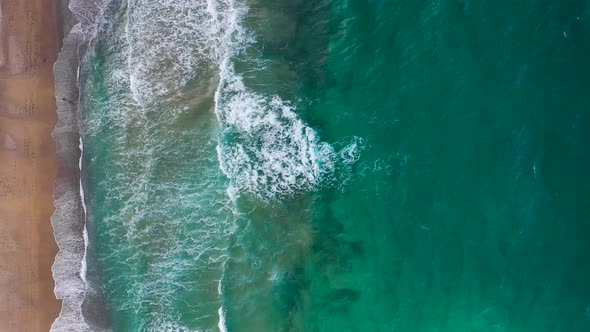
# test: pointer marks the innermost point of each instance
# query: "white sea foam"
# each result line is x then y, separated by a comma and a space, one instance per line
83, 266
221, 325
170, 44
265, 148
220, 312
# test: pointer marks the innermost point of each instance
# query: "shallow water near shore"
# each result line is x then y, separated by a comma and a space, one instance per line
339, 165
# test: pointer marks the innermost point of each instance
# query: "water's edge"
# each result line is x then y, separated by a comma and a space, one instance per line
68, 220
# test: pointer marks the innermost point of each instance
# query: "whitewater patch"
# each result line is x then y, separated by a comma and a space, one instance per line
221, 325
265, 149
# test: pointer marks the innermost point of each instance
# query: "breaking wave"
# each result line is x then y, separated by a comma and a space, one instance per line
265, 149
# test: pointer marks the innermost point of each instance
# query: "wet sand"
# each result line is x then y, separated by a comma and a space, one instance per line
28, 164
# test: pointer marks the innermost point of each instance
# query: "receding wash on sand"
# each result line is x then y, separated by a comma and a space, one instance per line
337, 165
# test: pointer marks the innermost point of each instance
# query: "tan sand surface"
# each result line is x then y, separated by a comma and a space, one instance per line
28, 164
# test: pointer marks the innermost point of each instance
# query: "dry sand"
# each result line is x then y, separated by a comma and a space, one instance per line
28, 164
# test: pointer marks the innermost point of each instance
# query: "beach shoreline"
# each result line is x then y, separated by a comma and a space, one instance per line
82, 309
29, 45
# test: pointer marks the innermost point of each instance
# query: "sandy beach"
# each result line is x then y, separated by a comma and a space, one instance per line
28, 50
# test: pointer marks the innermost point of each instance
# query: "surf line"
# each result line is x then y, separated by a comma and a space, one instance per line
83, 268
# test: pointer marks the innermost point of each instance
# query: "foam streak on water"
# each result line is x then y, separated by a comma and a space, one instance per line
85, 232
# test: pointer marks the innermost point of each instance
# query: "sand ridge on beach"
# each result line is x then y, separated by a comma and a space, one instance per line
28, 49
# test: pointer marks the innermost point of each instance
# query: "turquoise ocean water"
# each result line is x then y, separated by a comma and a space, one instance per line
340, 165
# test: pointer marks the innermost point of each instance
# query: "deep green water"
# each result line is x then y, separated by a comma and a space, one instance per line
340, 165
